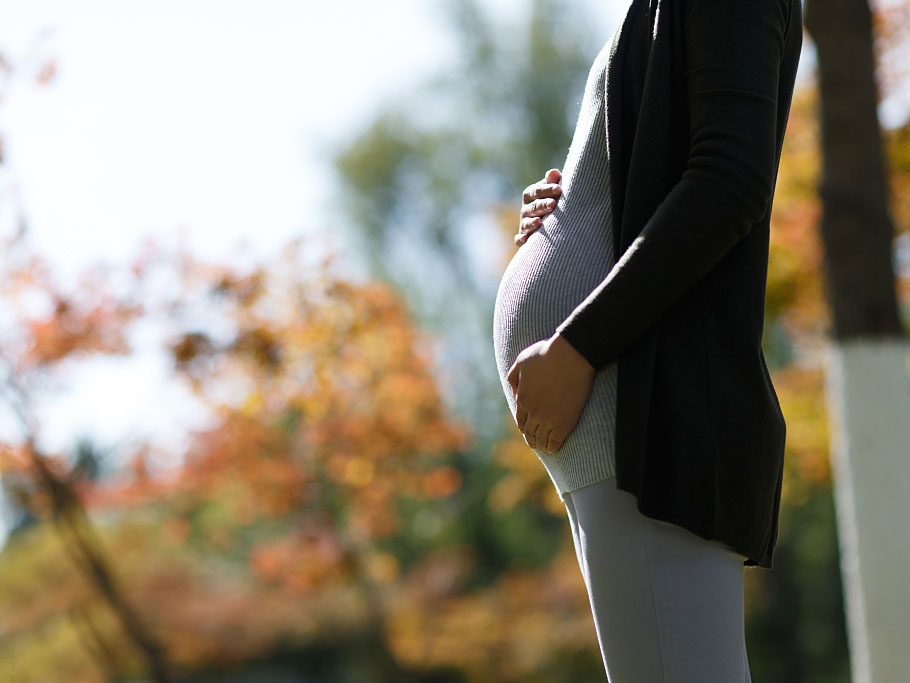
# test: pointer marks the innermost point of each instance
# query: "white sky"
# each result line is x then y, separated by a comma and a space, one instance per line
206, 116
211, 118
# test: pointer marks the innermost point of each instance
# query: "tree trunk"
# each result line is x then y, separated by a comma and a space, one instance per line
868, 387
857, 230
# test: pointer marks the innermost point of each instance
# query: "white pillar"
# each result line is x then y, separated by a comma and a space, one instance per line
868, 400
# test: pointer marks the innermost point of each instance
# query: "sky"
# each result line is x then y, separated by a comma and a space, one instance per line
210, 122
168, 116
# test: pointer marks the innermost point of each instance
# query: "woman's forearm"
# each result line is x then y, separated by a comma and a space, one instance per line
733, 55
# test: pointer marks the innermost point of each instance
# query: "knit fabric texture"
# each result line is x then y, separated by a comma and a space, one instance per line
557, 267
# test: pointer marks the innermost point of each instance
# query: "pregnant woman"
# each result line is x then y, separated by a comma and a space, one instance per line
627, 329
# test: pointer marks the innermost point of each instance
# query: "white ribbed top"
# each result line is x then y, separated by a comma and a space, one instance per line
554, 271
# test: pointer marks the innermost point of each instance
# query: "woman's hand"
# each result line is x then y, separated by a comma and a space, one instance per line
551, 382
538, 200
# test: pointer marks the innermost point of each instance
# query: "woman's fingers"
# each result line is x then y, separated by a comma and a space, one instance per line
535, 434
526, 426
539, 207
538, 200
531, 438
540, 190
531, 218
553, 442
521, 417
525, 228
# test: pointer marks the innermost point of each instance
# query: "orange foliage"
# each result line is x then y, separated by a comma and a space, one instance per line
801, 392
795, 289
51, 324
325, 416
433, 622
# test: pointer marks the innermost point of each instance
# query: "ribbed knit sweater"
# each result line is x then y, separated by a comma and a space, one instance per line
559, 265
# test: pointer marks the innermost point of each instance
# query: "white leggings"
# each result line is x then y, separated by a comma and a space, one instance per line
667, 604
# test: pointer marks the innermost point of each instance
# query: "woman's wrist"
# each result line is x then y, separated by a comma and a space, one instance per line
563, 346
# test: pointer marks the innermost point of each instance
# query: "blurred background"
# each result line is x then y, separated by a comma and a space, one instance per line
251, 427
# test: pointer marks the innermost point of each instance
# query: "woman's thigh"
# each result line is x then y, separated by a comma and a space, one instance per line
667, 604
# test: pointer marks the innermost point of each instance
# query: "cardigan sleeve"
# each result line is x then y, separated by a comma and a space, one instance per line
733, 52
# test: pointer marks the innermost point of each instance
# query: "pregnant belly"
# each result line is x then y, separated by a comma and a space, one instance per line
546, 279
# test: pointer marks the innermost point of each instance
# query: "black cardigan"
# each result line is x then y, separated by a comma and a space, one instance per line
698, 96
